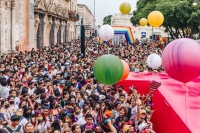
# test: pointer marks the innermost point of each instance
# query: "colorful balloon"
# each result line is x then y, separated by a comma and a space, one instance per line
154, 61
143, 22
155, 18
181, 60
108, 69
106, 32
125, 8
126, 70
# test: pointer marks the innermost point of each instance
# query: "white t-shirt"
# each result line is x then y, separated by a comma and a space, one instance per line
89, 91
20, 131
81, 121
17, 101
3, 91
13, 108
54, 72
44, 126
79, 116
23, 122
31, 91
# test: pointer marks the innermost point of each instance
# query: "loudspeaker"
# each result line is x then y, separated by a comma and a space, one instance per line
82, 41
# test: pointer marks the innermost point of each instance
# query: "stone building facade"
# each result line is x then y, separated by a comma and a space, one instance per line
88, 19
27, 24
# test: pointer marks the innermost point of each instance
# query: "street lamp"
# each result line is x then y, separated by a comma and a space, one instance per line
83, 28
94, 16
195, 2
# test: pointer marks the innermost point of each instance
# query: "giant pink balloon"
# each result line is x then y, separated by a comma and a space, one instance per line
181, 59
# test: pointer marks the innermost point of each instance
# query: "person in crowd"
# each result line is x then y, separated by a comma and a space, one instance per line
29, 128
54, 90
14, 125
76, 128
41, 124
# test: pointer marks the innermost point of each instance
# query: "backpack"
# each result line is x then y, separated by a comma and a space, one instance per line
13, 131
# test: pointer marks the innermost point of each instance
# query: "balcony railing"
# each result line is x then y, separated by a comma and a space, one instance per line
73, 16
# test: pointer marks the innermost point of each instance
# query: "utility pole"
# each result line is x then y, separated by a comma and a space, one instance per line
83, 28
82, 39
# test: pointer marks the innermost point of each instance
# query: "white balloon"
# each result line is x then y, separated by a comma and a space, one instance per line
154, 61
106, 32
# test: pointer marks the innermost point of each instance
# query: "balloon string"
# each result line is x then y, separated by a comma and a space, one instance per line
186, 93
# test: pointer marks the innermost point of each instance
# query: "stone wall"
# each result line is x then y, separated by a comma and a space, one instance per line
52, 23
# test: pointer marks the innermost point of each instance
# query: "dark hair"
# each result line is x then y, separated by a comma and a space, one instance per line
89, 131
108, 105
77, 107
74, 78
30, 83
88, 116
24, 90
40, 83
71, 97
27, 124
81, 94
74, 127
55, 126
3, 82
3, 101
9, 97
85, 110
15, 118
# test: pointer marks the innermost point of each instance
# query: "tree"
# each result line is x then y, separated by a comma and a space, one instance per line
181, 17
107, 19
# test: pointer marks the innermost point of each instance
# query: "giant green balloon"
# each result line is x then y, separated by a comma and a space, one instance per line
108, 69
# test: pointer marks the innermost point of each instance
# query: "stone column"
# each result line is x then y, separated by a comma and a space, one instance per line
68, 33
62, 31
57, 24
40, 32
59, 34
6, 34
45, 30
49, 25
75, 32
13, 42
2, 47
36, 25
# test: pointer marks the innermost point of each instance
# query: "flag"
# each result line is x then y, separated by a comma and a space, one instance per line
153, 86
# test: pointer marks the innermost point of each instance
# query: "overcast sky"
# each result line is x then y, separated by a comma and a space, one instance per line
106, 7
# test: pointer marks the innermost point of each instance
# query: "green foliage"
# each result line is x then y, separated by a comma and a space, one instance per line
181, 17
107, 19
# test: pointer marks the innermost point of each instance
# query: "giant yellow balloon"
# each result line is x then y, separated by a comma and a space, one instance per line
155, 18
143, 22
125, 8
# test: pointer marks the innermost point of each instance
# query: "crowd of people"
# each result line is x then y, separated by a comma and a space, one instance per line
53, 90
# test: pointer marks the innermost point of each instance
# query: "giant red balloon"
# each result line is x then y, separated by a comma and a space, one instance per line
181, 59
126, 70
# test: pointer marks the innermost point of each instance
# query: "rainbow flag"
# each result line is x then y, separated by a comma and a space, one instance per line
122, 30
101, 41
